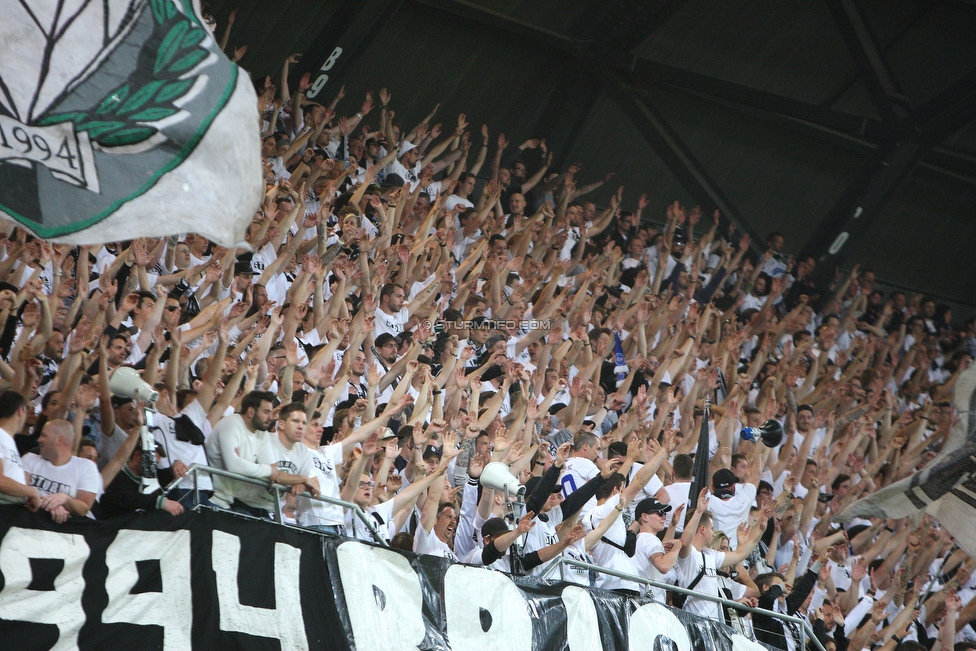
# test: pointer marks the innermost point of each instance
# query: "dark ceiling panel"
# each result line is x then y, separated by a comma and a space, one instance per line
787, 47
272, 31
778, 176
932, 254
925, 65
778, 179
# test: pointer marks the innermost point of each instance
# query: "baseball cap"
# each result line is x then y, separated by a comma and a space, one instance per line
494, 527
530, 485
431, 452
650, 505
723, 482
384, 339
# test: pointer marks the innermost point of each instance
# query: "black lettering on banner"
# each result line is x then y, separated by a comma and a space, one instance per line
57, 147
211, 580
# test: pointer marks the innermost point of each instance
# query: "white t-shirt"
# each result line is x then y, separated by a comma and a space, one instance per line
455, 200
605, 554
678, 492
185, 451
109, 445
425, 542
324, 465
13, 468
382, 515
76, 475
648, 545
653, 485
390, 323
686, 569
578, 471
728, 514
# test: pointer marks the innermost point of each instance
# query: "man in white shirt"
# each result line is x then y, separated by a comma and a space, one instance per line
805, 427
240, 444
68, 485
697, 565
391, 316
326, 462
732, 500
438, 523
13, 477
654, 561
465, 186
616, 548
683, 466
581, 467
293, 457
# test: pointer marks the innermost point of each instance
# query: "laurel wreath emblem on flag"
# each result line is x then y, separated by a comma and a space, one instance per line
120, 118
99, 101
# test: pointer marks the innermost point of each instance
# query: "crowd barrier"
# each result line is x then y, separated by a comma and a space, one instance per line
213, 579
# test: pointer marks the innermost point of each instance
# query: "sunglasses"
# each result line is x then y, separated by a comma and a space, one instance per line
171, 308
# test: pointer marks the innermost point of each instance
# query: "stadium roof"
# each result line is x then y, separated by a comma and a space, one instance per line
816, 118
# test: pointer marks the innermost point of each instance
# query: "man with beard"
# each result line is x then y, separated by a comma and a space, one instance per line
240, 444
438, 523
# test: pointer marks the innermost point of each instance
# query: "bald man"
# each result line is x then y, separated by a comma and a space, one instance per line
67, 485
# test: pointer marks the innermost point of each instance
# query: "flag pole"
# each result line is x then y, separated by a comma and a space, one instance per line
699, 479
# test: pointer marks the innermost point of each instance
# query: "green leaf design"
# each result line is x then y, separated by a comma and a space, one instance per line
153, 114
61, 118
110, 103
188, 8
127, 137
140, 97
159, 10
186, 62
192, 38
173, 90
170, 45
98, 128
134, 103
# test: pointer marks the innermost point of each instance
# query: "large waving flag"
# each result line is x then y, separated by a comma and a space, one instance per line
946, 488
121, 119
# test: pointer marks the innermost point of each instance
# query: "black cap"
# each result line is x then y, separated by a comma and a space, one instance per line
650, 505
430, 452
494, 527
722, 483
243, 264
534, 481
384, 339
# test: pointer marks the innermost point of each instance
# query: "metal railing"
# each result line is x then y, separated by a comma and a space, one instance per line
196, 469
805, 629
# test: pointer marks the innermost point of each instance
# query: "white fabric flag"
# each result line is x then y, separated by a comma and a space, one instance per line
946, 487
123, 119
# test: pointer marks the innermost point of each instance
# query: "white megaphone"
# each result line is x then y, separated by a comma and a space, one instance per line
497, 476
125, 382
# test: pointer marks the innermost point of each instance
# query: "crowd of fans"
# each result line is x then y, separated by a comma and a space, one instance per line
411, 310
